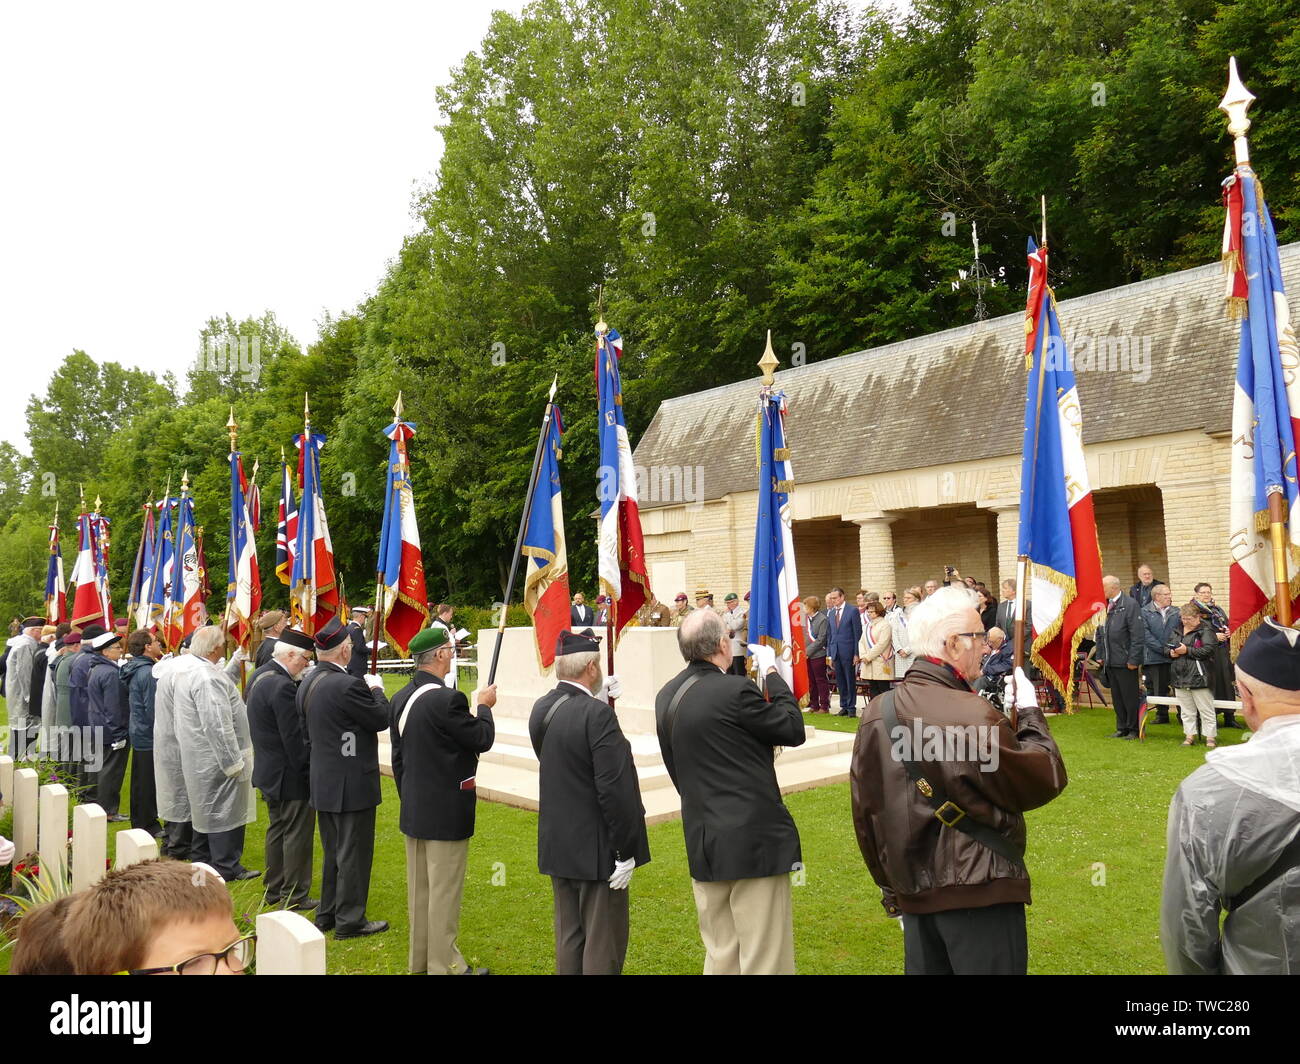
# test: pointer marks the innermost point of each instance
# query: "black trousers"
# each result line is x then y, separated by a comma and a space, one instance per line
1124, 695
985, 941
846, 681
178, 840
108, 781
144, 792
1157, 683
221, 849
591, 927
348, 850
290, 840
737, 665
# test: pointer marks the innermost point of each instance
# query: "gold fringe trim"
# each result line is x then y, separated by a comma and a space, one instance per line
1064, 685
1248, 626
1237, 308
785, 486
1231, 261
758, 439
781, 454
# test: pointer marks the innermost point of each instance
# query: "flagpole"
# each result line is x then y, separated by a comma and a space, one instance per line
1236, 100
611, 603
1023, 563
379, 576
523, 525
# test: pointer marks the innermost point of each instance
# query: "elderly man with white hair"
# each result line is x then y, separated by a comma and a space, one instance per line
216, 757
1234, 832
939, 785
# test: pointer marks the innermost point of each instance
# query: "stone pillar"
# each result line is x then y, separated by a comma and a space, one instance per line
133, 846
89, 845
6, 781
1196, 537
26, 784
1008, 516
53, 843
289, 944
876, 551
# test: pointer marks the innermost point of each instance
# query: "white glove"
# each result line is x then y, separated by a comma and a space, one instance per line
764, 658
118, 745
622, 874
374, 681
6, 851
238, 656
1024, 696
613, 687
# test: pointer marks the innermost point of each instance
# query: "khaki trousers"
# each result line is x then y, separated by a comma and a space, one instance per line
435, 881
747, 926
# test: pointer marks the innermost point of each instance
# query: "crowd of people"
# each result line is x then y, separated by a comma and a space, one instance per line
942, 836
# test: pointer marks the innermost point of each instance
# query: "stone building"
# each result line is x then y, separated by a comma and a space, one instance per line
907, 457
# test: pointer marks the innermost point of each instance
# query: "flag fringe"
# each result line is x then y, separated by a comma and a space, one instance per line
1231, 261
1237, 308
1064, 685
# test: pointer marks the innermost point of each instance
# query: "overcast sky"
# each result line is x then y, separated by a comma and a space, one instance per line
162, 163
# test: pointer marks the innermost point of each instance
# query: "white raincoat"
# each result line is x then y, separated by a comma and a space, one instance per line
216, 750
1228, 823
173, 802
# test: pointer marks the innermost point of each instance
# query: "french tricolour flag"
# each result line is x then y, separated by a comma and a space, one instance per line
622, 565
244, 586
546, 577
1058, 530
404, 607
1265, 407
313, 589
89, 577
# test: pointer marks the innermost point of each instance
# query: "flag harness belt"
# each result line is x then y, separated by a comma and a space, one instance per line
947, 812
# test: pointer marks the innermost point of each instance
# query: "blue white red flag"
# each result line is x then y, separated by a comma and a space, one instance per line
286, 529
90, 595
1265, 407
56, 590
774, 605
404, 607
1058, 530
621, 552
244, 582
142, 572
546, 575
313, 586
160, 593
183, 611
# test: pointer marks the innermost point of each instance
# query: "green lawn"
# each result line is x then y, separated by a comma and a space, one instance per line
1095, 854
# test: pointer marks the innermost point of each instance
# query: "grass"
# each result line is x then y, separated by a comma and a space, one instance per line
1096, 857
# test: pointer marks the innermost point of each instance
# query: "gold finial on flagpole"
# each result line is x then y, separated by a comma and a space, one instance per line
98, 502
233, 429
1234, 104
397, 408
306, 409
185, 483
768, 362
555, 383
601, 327
255, 465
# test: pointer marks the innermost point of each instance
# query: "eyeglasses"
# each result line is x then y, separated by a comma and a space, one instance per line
983, 637
238, 955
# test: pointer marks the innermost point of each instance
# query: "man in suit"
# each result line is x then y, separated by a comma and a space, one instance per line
281, 770
842, 649
717, 734
344, 715
272, 624
1006, 617
436, 746
580, 614
1120, 641
591, 825
359, 663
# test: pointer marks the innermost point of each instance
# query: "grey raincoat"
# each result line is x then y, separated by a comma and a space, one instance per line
216, 749
1229, 821
173, 802
18, 680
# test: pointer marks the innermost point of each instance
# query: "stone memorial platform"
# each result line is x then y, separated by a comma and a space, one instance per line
646, 659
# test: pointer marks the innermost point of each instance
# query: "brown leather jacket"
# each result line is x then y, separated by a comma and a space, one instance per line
921, 865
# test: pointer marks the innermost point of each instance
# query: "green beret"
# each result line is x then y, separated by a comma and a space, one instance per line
428, 639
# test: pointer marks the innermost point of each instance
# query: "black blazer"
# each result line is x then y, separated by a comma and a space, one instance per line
581, 617
591, 812
435, 754
281, 759
1121, 636
719, 755
264, 650
344, 718
360, 663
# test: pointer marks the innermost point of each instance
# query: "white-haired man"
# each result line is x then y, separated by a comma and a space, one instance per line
717, 733
1234, 831
281, 761
591, 824
216, 757
939, 785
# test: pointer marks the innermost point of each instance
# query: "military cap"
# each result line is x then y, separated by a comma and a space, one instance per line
583, 642
33, 622
295, 638
331, 635
91, 630
72, 639
428, 639
1272, 656
104, 641
731, 597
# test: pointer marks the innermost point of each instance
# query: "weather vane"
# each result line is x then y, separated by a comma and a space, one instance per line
978, 277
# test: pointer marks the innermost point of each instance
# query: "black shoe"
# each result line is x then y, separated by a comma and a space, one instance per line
1162, 719
324, 923
1128, 735
370, 927
244, 873
1225, 724
1117, 735
307, 905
